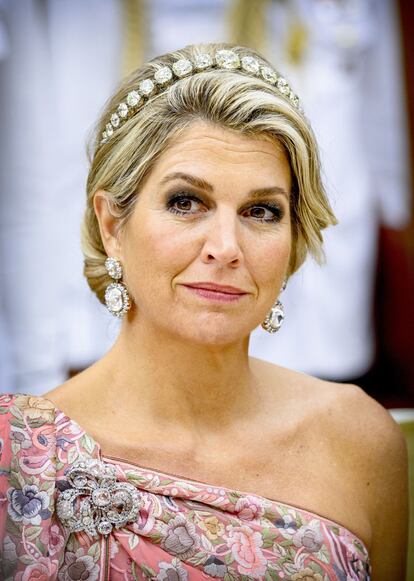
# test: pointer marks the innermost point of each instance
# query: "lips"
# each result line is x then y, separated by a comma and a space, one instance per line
225, 289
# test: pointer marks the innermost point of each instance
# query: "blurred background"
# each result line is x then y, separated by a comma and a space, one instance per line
352, 64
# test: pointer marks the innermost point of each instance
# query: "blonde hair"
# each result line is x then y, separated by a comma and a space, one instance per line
230, 99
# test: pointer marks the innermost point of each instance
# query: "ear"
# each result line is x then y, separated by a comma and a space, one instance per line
109, 224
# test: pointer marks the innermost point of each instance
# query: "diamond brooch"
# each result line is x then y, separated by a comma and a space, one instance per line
94, 501
223, 59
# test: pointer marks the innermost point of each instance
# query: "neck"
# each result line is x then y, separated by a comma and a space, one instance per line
170, 382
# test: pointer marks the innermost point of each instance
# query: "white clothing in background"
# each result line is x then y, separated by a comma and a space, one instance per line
350, 83
64, 63
6, 365
56, 78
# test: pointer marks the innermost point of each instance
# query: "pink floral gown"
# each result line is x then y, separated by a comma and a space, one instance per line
68, 513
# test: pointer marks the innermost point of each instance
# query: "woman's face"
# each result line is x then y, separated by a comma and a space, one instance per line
207, 247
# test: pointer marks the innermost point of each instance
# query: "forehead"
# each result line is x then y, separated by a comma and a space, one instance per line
207, 148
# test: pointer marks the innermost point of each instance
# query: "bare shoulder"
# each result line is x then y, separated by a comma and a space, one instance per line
354, 410
362, 439
369, 428
382, 454
75, 396
345, 410
63, 395
376, 455
349, 416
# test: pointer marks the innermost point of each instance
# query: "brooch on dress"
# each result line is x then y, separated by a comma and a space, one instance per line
94, 500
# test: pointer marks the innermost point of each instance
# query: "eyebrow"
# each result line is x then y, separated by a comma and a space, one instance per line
204, 185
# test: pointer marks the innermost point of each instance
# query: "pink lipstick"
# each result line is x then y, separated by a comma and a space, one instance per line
216, 292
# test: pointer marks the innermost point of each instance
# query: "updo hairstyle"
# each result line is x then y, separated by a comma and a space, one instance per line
231, 99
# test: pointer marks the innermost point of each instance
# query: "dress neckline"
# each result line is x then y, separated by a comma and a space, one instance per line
61, 415
242, 493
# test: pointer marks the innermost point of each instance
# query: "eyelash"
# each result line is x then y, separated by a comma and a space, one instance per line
274, 208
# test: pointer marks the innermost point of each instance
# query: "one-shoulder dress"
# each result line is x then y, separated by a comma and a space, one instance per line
67, 512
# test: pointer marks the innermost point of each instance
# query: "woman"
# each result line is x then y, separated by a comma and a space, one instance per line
176, 456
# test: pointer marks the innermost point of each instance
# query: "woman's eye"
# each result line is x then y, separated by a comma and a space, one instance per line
184, 204
265, 213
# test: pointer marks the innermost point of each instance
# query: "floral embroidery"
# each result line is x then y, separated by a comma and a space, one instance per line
42, 570
180, 538
78, 567
35, 408
308, 537
215, 567
9, 549
249, 508
245, 547
307, 575
287, 523
183, 529
212, 527
20, 438
28, 505
172, 571
54, 539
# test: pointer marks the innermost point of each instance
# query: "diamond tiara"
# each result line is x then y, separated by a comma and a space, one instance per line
165, 76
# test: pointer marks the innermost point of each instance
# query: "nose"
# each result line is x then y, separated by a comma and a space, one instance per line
222, 239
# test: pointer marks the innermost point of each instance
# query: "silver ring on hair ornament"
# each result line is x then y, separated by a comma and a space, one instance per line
165, 76
276, 315
117, 298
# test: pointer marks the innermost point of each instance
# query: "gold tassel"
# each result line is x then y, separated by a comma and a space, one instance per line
248, 23
134, 35
297, 40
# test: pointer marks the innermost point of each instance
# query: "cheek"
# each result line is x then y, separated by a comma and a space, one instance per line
157, 250
269, 258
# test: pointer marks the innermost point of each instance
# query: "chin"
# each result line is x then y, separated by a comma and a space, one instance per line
214, 331
218, 339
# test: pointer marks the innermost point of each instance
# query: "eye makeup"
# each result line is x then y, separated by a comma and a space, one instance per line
275, 211
185, 203
177, 202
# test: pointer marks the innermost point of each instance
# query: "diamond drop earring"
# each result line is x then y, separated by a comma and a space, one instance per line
116, 294
276, 315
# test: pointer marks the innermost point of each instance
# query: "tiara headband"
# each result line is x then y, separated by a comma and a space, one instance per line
165, 76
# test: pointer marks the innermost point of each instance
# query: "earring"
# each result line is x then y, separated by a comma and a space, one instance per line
116, 294
276, 315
